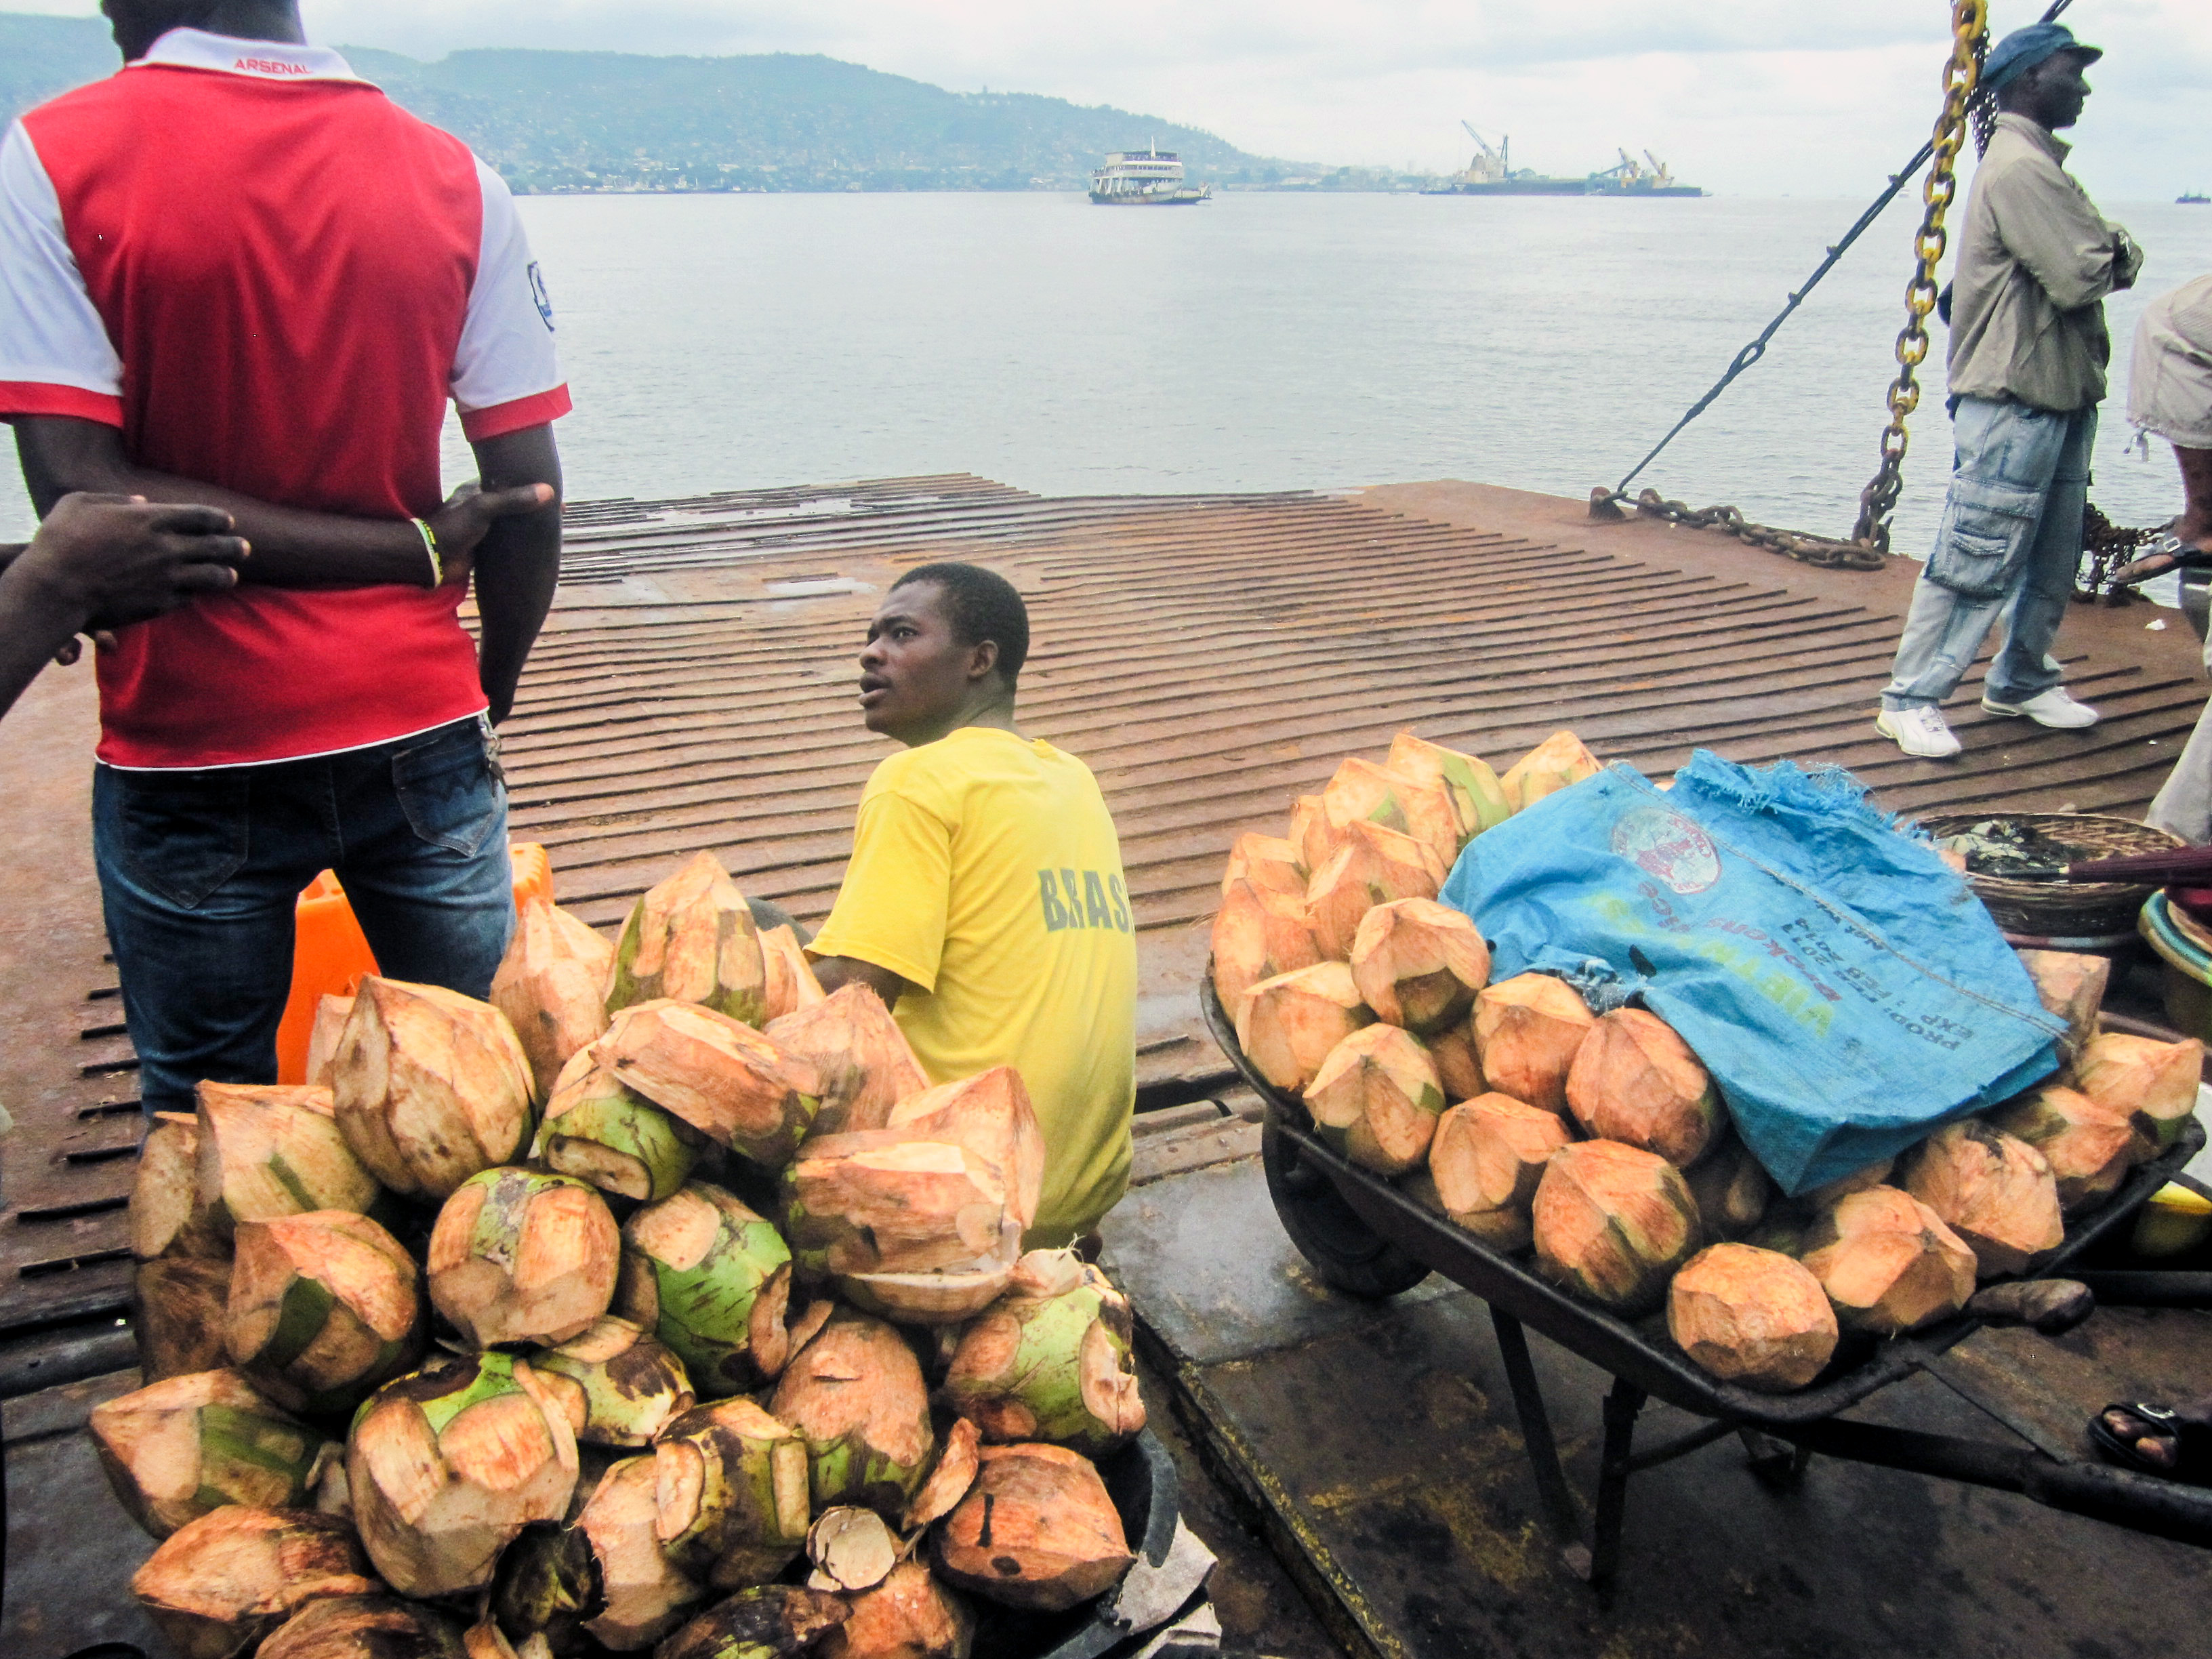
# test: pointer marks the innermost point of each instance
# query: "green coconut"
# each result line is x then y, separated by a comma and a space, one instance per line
522, 1255
855, 1393
731, 1492
600, 1132
642, 1594
1050, 1361
221, 1584
179, 1447
546, 1586
619, 1386
324, 1308
692, 938
693, 1269
769, 1621
366, 1627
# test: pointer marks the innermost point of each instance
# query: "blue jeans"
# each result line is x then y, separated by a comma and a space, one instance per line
2009, 546
200, 873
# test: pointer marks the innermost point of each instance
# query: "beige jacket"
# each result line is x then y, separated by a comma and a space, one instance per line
2036, 260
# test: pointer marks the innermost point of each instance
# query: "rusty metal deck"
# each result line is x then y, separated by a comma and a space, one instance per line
1210, 657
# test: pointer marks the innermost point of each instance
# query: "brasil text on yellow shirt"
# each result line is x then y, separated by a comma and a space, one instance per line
986, 871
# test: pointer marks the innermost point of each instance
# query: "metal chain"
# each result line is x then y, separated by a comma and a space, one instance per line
1822, 550
1970, 32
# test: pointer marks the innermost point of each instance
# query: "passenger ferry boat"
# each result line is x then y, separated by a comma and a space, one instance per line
1151, 177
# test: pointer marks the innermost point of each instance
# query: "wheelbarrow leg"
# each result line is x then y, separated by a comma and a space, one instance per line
1536, 1435
1622, 1405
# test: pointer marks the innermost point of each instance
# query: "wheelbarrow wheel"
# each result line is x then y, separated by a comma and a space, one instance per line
1348, 1254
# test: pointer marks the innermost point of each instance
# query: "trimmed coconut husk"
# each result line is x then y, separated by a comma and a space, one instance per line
448, 1466
177, 1448
2089, 1146
1315, 838
1478, 797
324, 1308
790, 986
989, 1114
271, 1151
1993, 1189
1887, 1262
863, 1060
769, 1621
551, 986
732, 1083
645, 1595
2155, 1083
1486, 1162
691, 939
431, 1087
331, 1015
1051, 1361
856, 1395
1558, 763
909, 1616
2071, 986
1376, 1099
1375, 866
1458, 1067
1258, 933
852, 1549
1418, 964
600, 1130
1752, 1317
1732, 1189
1038, 1531
957, 1461
1362, 792
176, 1316
219, 1584
1862, 1180
1635, 1080
1527, 1030
521, 1255
618, 1386
167, 1216
369, 1627
775, 1336
1269, 863
1288, 1024
692, 1268
1613, 1223
731, 1494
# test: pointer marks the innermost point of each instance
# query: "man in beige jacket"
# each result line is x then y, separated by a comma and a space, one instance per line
2028, 353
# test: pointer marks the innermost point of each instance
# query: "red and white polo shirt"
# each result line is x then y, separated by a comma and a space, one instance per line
271, 278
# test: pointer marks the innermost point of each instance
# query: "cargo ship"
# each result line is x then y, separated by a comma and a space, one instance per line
1492, 172
1151, 177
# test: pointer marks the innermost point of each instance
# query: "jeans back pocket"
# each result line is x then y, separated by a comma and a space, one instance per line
178, 834
1984, 533
448, 790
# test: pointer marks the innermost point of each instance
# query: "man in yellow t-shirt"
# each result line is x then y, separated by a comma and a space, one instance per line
985, 902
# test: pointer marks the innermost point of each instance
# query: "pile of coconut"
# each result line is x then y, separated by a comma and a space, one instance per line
657, 1303
1598, 1143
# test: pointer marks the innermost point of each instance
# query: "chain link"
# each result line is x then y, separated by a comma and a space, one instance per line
1822, 550
1970, 35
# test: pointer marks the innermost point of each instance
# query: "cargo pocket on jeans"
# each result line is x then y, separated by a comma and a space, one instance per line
447, 789
1984, 532
180, 834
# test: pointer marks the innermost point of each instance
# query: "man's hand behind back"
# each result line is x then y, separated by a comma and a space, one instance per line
467, 517
115, 559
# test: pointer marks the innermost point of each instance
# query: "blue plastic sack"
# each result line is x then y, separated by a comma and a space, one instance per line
1843, 985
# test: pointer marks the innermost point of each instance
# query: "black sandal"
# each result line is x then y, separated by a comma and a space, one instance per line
2168, 554
2192, 1442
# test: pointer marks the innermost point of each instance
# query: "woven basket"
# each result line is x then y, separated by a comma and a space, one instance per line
2069, 909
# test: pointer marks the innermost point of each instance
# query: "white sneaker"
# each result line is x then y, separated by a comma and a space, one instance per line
2053, 709
1920, 731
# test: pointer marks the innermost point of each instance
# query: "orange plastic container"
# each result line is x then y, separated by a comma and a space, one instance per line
330, 955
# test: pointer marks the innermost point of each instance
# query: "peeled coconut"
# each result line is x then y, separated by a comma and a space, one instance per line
521, 1255
177, 1307
646, 1595
1478, 797
2090, 1147
323, 1310
1037, 1532
271, 1151
1375, 866
618, 1386
167, 1216
1634, 1080
863, 1060
600, 1130
1288, 1024
431, 1087
1527, 1030
1453, 1050
694, 1267
769, 1621
855, 1393
1269, 863
1558, 763
179, 1448
1050, 1361
732, 1083
2072, 987
368, 1627
551, 986
331, 1016
1418, 964
909, 1615
1887, 1262
1364, 792
1376, 1099
1860, 1179
1258, 933
2154, 1082
448, 1466
731, 1486
1993, 1190
789, 984
1316, 839
1732, 1189
1752, 1317
219, 1584
1613, 1223
1486, 1162
691, 939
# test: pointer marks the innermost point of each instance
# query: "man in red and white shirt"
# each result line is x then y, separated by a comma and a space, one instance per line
236, 274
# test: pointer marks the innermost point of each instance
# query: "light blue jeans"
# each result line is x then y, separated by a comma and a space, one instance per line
2009, 546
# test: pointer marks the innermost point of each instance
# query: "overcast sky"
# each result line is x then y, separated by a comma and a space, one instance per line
1760, 97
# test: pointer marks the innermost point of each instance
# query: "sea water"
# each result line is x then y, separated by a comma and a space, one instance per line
1259, 342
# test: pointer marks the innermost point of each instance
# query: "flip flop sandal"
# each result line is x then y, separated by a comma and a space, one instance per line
2168, 554
2192, 1463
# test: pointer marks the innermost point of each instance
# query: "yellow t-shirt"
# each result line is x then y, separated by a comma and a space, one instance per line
986, 871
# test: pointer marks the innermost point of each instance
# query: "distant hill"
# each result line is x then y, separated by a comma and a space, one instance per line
592, 120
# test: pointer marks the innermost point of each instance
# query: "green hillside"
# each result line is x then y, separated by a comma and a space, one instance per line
576, 120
